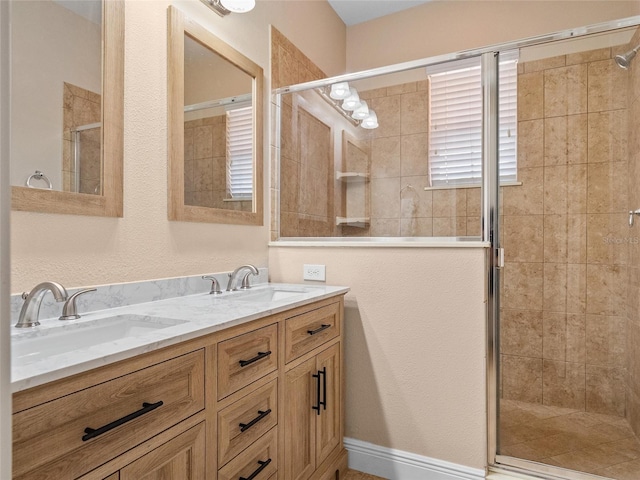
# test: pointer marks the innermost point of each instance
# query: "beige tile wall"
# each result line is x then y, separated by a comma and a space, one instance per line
633, 280
395, 196
566, 239
400, 206
303, 173
82, 107
205, 165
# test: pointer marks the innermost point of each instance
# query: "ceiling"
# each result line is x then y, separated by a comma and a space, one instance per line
358, 11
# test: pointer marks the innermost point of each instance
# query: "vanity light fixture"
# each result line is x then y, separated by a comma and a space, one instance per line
371, 121
352, 101
340, 91
361, 112
238, 6
225, 7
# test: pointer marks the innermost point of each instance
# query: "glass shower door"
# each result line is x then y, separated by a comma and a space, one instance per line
86, 163
569, 328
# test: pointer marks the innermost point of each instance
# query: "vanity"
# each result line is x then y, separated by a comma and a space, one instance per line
244, 385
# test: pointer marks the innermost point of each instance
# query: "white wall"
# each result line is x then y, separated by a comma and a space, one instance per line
79, 250
50, 45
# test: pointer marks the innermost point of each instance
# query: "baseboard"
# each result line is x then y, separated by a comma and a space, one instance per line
398, 465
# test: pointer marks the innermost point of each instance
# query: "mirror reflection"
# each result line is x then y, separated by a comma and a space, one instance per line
56, 95
218, 131
215, 128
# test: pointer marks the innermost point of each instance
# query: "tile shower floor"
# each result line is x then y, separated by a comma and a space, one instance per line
589, 442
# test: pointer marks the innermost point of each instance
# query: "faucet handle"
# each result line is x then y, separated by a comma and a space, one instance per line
245, 281
215, 285
69, 310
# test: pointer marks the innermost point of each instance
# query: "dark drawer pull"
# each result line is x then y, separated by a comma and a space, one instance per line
323, 372
146, 408
261, 415
261, 355
262, 466
319, 329
318, 402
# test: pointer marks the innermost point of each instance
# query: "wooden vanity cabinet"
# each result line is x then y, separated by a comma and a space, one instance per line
182, 457
312, 412
261, 400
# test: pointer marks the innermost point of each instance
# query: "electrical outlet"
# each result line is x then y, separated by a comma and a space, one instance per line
314, 272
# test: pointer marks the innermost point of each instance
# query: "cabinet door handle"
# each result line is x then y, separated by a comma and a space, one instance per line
262, 466
146, 408
261, 355
261, 415
316, 407
319, 329
323, 372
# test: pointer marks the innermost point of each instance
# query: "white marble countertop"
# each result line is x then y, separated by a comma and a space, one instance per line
182, 318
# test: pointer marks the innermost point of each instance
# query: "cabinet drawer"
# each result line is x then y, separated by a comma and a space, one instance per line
75, 433
309, 330
262, 456
246, 420
246, 358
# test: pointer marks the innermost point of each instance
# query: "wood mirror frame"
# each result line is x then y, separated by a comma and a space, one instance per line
109, 204
179, 26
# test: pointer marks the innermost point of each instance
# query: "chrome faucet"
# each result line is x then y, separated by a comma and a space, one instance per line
215, 285
70, 309
32, 301
233, 280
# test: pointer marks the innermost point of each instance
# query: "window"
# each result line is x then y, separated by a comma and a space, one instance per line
455, 133
240, 153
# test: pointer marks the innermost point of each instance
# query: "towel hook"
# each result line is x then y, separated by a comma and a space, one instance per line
39, 176
632, 213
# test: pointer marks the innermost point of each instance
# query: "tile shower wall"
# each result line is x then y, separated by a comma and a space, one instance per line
633, 284
81, 107
397, 201
307, 202
565, 234
400, 206
205, 164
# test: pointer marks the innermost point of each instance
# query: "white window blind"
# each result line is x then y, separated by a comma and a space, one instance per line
455, 140
240, 152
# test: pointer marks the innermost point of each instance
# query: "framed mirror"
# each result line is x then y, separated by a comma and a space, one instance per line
215, 128
67, 104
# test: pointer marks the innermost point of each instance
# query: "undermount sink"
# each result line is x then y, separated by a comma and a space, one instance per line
270, 294
29, 348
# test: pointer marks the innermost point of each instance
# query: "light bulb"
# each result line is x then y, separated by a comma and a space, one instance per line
361, 112
352, 101
340, 91
238, 6
371, 121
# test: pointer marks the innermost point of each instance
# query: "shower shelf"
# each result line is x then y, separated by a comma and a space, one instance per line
353, 221
352, 176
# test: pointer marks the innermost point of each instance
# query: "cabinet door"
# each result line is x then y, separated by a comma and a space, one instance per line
328, 422
299, 421
182, 458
